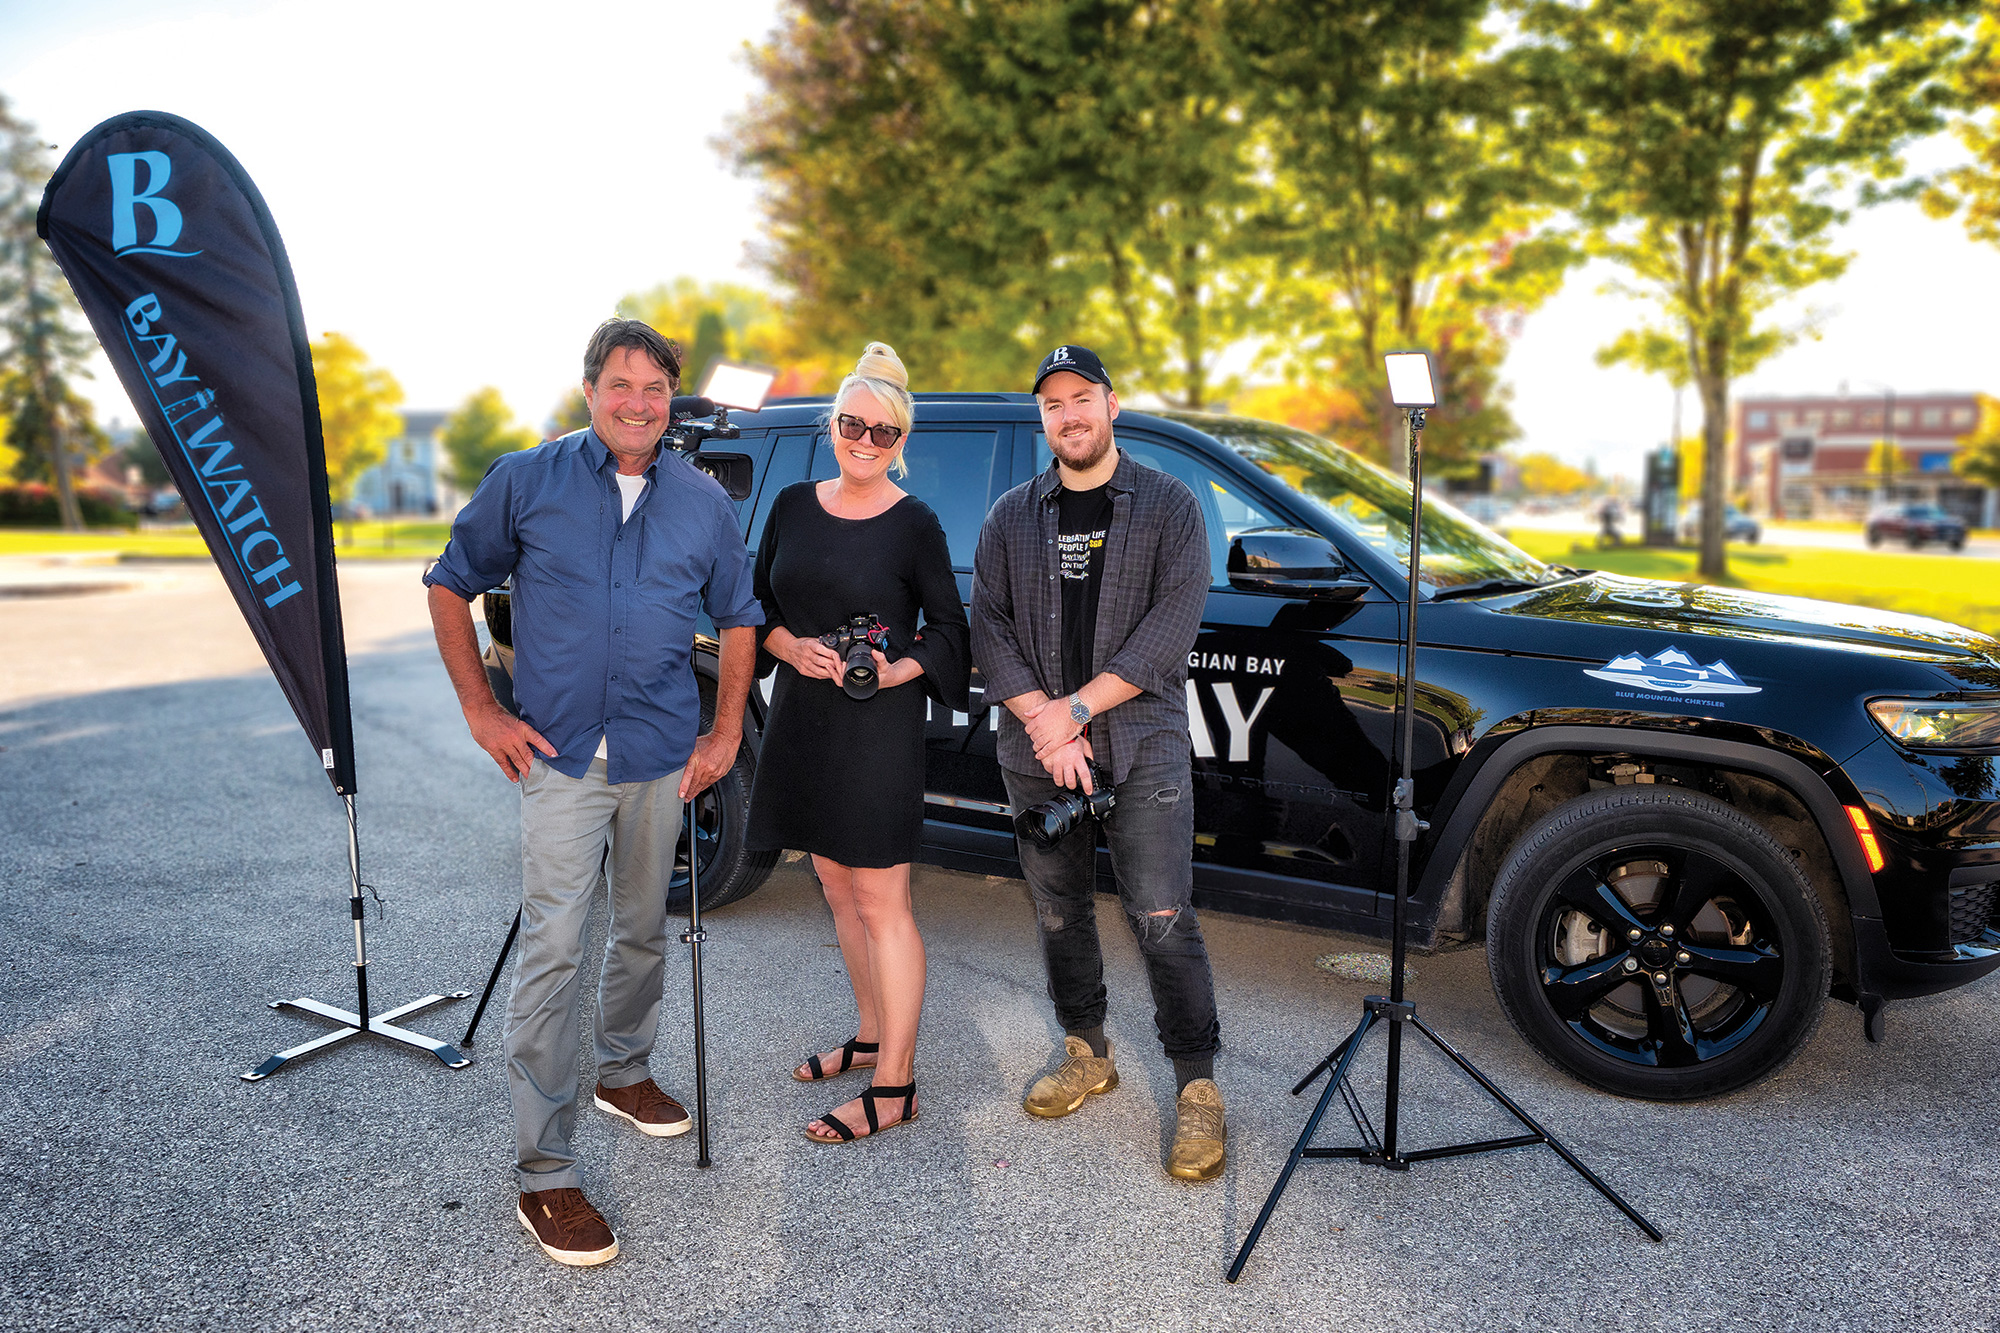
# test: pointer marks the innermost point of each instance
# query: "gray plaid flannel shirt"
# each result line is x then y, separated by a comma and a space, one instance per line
1149, 605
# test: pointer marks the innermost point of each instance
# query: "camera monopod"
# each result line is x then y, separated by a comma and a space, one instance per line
692, 937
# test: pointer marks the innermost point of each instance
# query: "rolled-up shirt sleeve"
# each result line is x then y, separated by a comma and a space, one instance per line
731, 596
1154, 655
942, 645
996, 645
484, 546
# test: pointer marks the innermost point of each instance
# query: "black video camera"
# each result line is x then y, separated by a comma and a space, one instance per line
1049, 823
856, 642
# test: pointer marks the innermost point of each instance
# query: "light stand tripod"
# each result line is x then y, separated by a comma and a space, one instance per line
360, 1022
1415, 397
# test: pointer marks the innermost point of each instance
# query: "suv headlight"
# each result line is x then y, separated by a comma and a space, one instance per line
1924, 724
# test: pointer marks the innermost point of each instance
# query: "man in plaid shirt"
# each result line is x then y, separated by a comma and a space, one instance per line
1087, 594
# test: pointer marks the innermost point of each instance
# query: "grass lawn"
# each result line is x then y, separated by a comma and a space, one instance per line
372, 540
1960, 589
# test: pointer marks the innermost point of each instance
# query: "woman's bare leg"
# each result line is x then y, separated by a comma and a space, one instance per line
838, 883
881, 902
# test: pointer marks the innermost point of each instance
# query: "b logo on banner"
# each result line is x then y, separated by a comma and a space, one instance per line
127, 198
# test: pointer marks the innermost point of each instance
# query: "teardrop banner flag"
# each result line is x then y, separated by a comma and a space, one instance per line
177, 263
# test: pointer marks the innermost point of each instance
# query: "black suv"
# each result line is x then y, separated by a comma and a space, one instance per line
1680, 816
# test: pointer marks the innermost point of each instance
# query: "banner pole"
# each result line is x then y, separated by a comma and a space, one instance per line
359, 912
358, 1022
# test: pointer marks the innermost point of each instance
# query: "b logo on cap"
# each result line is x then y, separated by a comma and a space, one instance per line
1062, 354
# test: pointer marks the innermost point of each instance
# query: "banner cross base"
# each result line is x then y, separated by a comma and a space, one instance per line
381, 1025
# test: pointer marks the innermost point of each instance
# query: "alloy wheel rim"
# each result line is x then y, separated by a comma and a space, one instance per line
1659, 956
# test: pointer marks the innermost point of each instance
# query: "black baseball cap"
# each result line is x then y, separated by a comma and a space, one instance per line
1079, 360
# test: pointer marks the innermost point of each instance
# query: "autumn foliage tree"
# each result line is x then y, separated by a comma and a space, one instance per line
1720, 144
49, 429
480, 431
357, 411
974, 181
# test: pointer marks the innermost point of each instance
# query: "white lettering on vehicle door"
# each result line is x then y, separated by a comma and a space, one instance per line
1239, 725
1204, 744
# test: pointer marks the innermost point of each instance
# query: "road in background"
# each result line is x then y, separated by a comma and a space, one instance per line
1585, 521
171, 858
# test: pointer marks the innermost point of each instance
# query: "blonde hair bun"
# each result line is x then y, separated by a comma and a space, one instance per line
880, 362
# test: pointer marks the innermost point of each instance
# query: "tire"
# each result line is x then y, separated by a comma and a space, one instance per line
1874, 538
1678, 867
730, 871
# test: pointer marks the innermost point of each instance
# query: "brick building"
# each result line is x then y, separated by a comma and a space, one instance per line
1800, 458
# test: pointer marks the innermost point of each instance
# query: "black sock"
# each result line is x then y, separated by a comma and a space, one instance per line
1193, 1067
1095, 1036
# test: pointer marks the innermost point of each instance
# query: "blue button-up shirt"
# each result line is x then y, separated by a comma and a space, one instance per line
604, 607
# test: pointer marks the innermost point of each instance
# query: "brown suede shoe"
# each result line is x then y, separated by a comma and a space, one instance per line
569, 1229
1080, 1075
1200, 1135
647, 1107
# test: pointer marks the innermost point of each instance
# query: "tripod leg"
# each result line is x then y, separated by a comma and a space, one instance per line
1493, 1091
494, 980
1333, 1085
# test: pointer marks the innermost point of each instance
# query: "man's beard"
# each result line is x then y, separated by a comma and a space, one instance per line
1099, 445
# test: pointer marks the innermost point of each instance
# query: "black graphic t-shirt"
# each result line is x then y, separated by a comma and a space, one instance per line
1081, 520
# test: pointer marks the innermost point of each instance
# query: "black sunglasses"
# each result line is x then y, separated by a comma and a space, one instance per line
853, 428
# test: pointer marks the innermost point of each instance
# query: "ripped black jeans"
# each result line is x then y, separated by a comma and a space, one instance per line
1151, 839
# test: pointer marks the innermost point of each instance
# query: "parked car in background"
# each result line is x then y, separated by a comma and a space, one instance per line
1913, 525
1681, 817
1737, 526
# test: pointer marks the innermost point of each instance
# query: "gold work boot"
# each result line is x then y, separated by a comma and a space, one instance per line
1077, 1077
1200, 1136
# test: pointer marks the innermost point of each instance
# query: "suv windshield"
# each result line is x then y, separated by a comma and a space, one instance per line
1374, 505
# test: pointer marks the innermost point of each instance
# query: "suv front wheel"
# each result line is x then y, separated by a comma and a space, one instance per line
1657, 943
729, 869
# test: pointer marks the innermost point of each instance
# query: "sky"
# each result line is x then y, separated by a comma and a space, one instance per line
466, 190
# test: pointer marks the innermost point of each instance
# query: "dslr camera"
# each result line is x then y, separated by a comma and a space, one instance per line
857, 642
1049, 823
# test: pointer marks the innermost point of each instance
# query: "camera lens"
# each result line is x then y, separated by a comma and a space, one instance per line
1049, 823
859, 680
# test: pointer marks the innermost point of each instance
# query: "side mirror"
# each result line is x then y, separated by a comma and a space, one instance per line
735, 471
1290, 562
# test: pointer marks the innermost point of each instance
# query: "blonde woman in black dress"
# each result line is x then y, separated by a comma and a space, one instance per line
843, 778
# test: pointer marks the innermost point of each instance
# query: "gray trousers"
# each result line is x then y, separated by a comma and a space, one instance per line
566, 826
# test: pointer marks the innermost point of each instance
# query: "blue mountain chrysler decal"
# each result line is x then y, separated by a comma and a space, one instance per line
1673, 671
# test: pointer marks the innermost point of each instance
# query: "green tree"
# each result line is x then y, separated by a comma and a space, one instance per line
1720, 143
1885, 463
572, 412
481, 430
140, 453
973, 181
357, 411
49, 425
1978, 457
1976, 184
1405, 199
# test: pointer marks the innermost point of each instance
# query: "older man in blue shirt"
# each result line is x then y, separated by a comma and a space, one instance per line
614, 545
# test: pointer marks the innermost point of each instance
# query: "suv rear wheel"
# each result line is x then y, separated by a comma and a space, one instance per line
1657, 943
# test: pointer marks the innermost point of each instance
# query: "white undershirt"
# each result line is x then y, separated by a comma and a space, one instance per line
629, 489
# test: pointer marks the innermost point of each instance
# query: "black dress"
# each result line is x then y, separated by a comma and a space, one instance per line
842, 777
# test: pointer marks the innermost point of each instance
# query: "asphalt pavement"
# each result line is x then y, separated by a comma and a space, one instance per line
171, 858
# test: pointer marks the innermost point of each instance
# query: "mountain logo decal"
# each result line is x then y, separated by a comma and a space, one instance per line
1673, 671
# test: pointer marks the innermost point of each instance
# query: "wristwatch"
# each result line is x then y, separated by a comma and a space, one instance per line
1079, 711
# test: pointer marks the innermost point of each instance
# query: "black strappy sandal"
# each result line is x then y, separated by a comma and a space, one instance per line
847, 1053
907, 1095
